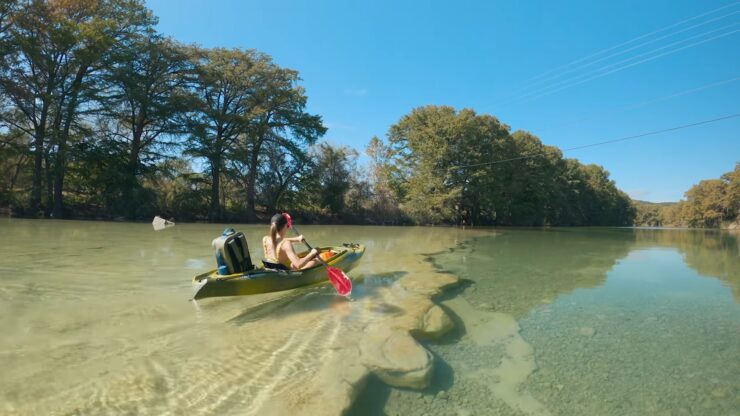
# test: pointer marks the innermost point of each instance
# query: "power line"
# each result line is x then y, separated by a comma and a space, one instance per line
632, 40
621, 139
641, 103
622, 52
574, 81
689, 91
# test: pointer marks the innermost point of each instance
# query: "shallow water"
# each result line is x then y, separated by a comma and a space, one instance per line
563, 322
97, 318
595, 321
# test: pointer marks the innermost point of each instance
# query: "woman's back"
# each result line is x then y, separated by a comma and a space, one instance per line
274, 252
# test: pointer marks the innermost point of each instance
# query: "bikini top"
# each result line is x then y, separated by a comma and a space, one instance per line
267, 249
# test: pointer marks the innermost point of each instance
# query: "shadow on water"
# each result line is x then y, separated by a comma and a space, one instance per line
374, 397
323, 297
459, 330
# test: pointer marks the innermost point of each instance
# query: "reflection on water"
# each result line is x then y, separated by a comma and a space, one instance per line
710, 253
610, 322
525, 268
655, 339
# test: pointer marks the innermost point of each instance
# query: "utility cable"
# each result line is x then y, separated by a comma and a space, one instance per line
622, 52
575, 81
632, 40
621, 139
640, 104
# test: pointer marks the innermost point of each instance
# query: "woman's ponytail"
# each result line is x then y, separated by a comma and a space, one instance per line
277, 223
273, 236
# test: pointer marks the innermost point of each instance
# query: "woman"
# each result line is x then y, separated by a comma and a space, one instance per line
279, 249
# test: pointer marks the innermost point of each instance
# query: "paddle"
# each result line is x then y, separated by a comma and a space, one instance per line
337, 277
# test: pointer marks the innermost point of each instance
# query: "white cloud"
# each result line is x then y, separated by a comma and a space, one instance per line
641, 194
355, 92
338, 126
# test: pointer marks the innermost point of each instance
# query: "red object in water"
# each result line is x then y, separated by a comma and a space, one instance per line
339, 280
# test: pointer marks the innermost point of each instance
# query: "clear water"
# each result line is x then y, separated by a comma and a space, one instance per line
96, 320
608, 322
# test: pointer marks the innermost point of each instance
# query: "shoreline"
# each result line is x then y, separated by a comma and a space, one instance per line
730, 227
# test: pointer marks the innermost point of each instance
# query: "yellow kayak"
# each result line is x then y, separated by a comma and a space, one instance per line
265, 280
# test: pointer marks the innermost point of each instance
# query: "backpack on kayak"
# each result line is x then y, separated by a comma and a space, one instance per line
232, 253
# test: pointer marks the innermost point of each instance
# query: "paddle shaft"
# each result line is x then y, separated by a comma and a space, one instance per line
309, 246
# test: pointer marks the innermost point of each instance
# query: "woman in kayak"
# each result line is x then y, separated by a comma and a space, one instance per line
279, 249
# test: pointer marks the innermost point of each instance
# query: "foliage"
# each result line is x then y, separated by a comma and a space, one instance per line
709, 204
103, 117
448, 166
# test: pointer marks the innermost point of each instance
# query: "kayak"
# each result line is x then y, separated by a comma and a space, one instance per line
265, 280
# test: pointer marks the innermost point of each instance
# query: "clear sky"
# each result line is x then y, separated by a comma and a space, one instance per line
534, 64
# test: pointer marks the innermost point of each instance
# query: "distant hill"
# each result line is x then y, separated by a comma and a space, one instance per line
662, 204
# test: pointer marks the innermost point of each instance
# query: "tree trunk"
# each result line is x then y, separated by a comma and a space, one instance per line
59, 180
131, 182
38, 161
63, 136
39, 152
16, 173
251, 182
49, 183
215, 210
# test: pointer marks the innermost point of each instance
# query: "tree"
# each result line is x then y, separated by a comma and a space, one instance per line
384, 204
224, 86
145, 99
710, 203
731, 200
58, 45
280, 172
442, 157
330, 177
449, 166
279, 118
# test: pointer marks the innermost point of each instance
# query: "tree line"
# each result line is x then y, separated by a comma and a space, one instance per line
712, 203
101, 116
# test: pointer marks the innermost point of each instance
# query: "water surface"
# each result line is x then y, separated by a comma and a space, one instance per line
608, 322
96, 318
549, 322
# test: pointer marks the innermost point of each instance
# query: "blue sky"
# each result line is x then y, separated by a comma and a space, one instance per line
366, 64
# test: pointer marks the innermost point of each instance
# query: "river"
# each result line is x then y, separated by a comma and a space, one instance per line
97, 320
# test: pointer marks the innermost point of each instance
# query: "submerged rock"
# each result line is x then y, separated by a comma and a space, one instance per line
436, 322
396, 357
587, 332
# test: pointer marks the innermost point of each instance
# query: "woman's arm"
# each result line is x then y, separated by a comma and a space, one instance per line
298, 239
298, 262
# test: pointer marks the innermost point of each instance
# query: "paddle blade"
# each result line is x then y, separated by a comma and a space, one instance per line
340, 281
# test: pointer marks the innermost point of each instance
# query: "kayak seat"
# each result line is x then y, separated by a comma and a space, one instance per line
232, 253
274, 266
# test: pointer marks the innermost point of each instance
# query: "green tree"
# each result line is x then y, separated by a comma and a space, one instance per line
385, 189
280, 172
449, 166
279, 117
58, 46
443, 159
330, 177
224, 86
145, 100
731, 200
